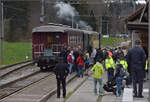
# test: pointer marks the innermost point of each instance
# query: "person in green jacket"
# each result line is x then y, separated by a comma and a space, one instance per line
147, 68
123, 61
110, 67
98, 71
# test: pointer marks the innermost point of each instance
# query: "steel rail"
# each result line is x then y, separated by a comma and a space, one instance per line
5, 71
11, 65
23, 87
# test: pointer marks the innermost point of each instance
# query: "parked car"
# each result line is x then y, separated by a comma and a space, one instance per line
105, 36
122, 35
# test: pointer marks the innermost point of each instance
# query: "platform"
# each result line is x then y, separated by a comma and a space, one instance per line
85, 94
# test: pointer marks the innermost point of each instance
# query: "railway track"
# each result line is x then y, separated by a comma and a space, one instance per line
14, 86
4, 71
38, 91
18, 80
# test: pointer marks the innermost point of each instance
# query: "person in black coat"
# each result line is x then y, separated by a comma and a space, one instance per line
99, 55
61, 70
136, 60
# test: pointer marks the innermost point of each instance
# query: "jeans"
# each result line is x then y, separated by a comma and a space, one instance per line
110, 74
80, 71
70, 67
119, 85
100, 85
91, 60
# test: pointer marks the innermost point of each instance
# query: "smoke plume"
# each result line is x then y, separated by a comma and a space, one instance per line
66, 12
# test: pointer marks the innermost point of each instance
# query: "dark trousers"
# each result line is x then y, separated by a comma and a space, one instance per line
110, 74
63, 82
138, 77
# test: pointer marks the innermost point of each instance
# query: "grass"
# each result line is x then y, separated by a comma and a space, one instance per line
16, 52
111, 41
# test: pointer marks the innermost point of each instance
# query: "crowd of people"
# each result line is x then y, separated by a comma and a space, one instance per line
115, 61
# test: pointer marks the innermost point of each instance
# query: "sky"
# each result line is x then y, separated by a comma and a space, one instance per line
141, 1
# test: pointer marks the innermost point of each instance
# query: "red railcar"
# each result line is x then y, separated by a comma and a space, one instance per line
49, 40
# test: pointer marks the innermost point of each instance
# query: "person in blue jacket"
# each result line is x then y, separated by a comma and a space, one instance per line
136, 59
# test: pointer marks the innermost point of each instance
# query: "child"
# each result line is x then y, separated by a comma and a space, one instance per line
120, 73
86, 63
98, 71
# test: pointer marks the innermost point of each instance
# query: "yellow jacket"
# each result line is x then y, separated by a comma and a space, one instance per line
98, 70
146, 66
124, 64
109, 63
88, 55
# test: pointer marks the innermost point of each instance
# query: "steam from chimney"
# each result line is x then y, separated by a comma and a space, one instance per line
66, 12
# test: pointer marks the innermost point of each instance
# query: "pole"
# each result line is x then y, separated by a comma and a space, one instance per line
72, 20
100, 31
149, 44
107, 29
2, 31
42, 12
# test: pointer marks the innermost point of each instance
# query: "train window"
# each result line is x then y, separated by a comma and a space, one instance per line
57, 36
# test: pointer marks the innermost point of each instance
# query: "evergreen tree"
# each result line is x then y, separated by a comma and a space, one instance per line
18, 14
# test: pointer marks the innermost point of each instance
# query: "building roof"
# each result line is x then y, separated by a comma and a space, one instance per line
137, 25
138, 19
134, 15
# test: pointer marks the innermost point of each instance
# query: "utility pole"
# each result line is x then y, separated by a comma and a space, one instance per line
72, 20
107, 28
100, 31
2, 31
42, 12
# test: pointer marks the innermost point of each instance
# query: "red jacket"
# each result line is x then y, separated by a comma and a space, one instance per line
80, 61
69, 58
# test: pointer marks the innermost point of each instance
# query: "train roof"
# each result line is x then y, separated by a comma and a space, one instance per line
49, 28
90, 32
60, 29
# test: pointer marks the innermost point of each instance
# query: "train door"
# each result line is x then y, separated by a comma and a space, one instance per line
94, 40
54, 42
64, 40
85, 41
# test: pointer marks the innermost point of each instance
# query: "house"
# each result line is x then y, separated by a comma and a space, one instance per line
137, 24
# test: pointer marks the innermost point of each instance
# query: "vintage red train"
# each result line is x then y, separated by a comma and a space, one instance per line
49, 40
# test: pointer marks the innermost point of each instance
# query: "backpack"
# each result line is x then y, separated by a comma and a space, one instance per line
122, 71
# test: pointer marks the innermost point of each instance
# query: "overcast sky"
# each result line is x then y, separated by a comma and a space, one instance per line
141, 1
